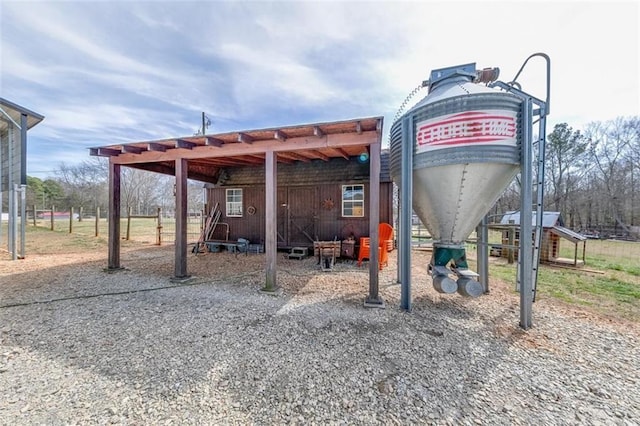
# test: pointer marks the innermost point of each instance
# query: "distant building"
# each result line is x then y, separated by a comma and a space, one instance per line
553, 231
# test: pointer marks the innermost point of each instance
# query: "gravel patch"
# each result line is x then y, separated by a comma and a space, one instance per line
82, 346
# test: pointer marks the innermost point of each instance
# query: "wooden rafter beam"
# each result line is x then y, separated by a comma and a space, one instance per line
209, 141
253, 159
285, 160
317, 131
104, 152
181, 143
156, 147
293, 156
132, 149
309, 145
342, 153
168, 170
280, 135
245, 138
321, 156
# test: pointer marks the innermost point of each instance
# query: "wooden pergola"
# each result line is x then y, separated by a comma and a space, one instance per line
203, 158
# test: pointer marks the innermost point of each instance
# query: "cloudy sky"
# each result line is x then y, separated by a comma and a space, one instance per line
105, 72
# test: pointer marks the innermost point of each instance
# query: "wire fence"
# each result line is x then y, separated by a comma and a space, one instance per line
158, 228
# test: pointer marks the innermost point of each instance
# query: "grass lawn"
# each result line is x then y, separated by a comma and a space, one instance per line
609, 283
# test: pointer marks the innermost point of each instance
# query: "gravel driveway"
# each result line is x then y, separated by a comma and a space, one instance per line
82, 346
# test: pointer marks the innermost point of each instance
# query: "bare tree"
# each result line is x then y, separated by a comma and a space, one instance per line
566, 151
142, 190
609, 145
85, 185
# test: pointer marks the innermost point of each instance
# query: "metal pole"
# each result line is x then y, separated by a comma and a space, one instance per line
406, 199
13, 222
11, 233
400, 238
23, 149
1, 192
483, 253
526, 202
23, 219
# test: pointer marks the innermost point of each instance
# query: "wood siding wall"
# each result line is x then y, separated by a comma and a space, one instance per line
302, 215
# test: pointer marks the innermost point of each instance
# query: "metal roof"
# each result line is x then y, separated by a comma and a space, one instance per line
568, 234
15, 111
207, 155
549, 219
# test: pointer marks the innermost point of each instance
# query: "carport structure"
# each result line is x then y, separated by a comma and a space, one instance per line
204, 157
15, 121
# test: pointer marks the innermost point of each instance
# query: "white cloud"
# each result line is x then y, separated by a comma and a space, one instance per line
109, 71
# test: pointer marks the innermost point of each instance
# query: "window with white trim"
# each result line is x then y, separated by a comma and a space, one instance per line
353, 200
234, 202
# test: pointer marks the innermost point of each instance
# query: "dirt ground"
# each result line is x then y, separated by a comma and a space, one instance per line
55, 257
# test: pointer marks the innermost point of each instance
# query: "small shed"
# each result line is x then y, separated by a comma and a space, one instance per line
553, 232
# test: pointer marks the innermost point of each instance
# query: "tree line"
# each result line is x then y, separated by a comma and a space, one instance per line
592, 178
86, 186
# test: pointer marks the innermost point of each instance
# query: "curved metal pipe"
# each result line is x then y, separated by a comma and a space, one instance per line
548, 61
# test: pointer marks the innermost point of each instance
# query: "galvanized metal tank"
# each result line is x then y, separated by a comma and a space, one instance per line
466, 150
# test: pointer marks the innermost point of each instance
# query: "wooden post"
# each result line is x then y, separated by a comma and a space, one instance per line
70, 220
373, 298
53, 210
34, 216
114, 216
128, 223
271, 214
181, 220
97, 221
159, 228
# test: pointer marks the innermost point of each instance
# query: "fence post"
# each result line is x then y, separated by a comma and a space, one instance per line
128, 223
53, 210
34, 216
159, 228
70, 219
97, 221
